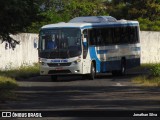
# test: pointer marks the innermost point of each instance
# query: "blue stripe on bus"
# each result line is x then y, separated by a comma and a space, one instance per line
115, 50
103, 66
93, 56
102, 51
110, 65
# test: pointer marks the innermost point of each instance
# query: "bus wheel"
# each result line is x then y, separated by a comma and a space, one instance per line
115, 73
54, 78
92, 72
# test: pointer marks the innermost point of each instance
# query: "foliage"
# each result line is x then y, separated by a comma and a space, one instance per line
147, 12
63, 10
147, 9
119, 11
146, 24
15, 16
29, 15
150, 79
155, 70
147, 81
8, 83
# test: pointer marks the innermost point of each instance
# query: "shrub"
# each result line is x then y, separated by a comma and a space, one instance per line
152, 76
155, 70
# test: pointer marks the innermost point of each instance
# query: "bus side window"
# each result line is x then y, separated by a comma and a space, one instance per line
85, 38
110, 36
128, 34
85, 33
91, 42
107, 40
92, 37
85, 43
103, 36
136, 35
116, 39
99, 37
133, 35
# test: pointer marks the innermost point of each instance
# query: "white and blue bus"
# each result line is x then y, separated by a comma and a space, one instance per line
88, 46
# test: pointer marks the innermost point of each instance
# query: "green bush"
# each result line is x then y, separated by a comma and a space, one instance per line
152, 76
155, 70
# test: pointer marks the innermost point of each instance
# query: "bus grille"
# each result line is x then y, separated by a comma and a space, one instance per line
58, 64
59, 71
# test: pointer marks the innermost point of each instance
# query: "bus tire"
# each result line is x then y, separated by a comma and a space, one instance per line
122, 70
92, 72
85, 76
54, 78
115, 73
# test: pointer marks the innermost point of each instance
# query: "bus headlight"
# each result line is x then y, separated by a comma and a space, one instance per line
77, 61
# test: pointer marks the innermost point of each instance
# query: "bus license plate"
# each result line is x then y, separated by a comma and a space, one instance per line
59, 68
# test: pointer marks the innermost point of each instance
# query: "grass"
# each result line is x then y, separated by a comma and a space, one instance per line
147, 81
7, 87
150, 79
22, 72
8, 80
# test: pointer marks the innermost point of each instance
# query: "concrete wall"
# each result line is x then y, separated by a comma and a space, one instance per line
26, 53
150, 47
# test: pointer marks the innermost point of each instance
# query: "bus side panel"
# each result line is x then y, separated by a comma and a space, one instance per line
108, 66
93, 56
103, 66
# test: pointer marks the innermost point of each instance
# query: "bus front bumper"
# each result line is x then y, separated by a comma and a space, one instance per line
61, 70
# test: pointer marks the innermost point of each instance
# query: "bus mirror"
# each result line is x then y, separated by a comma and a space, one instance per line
84, 40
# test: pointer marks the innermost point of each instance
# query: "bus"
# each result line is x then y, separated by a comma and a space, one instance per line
88, 46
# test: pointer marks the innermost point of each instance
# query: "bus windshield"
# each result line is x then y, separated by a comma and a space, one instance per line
60, 43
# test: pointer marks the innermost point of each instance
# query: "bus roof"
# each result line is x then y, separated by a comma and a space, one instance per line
93, 19
84, 25
66, 25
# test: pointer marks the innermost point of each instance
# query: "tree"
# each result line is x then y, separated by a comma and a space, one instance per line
15, 16
147, 9
134, 9
147, 12
56, 11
